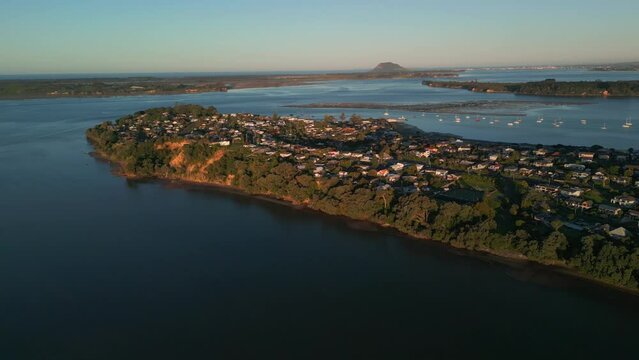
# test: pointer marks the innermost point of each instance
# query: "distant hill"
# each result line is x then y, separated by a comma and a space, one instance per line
387, 67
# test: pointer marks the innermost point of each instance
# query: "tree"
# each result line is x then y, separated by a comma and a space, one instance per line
554, 246
556, 224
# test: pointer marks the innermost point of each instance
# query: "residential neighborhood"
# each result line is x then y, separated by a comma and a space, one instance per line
586, 189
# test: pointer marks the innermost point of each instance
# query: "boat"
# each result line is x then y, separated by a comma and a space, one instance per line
628, 123
386, 113
604, 127
540, 120
511, 124
491, 122
584, 121
556, 123
423, 114
401, 118
457, 119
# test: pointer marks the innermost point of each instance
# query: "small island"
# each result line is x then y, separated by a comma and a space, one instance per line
572, 208
548, 87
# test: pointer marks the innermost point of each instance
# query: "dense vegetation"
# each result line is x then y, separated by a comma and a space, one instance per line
498, 222
548, 87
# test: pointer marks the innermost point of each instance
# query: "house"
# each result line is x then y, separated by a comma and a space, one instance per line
633, 214
624, 200
581, 175
383, 172
599, 177
397, 167
610, 210
587, 156
551, 189
577, 203
541, 152
619, 233
543, 163
572, 192
525, 172
576, 167
393, 177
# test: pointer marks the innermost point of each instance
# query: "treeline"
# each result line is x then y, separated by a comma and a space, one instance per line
548, 87
500, 223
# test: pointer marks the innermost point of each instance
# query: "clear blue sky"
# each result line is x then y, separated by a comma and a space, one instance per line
76, 36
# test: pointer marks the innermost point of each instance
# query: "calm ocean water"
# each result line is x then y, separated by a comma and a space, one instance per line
96, 267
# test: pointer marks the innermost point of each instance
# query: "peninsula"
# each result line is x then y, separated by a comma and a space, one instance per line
570, 207
548, 87
131, 86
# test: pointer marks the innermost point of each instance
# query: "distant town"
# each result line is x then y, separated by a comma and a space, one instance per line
574, 207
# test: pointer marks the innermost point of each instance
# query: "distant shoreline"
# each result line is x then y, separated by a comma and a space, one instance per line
17, 89
548, 87
488, 108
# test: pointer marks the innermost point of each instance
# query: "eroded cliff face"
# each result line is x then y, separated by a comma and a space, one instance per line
195, 172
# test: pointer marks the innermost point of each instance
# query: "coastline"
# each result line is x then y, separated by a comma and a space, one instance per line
123, 87
506, 258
